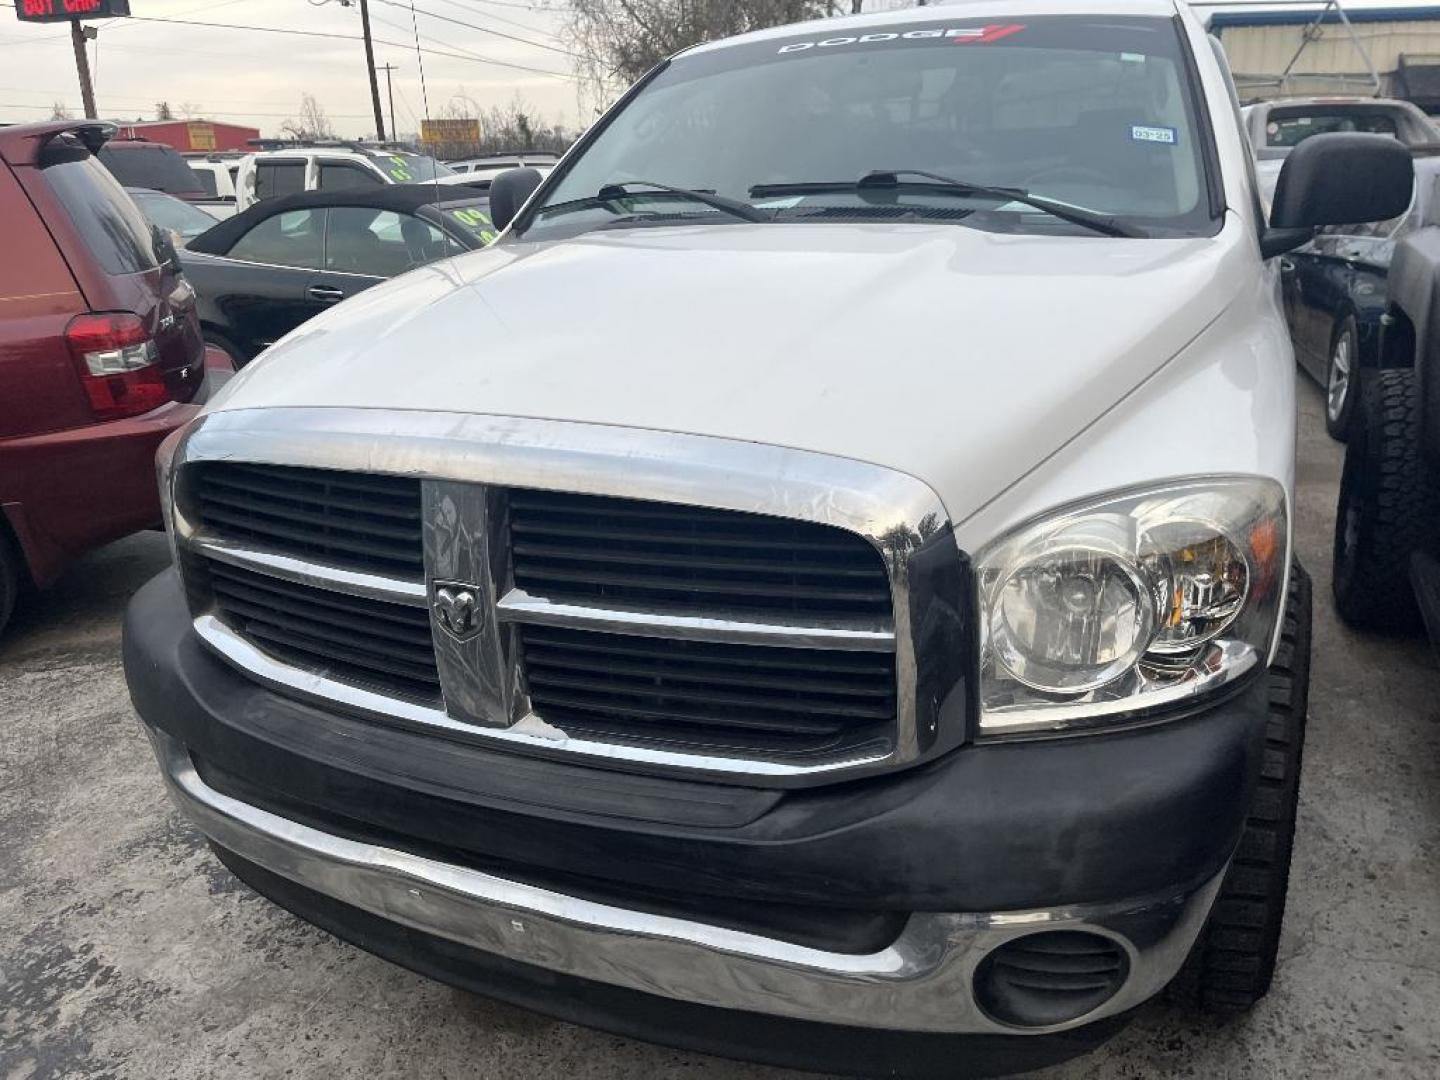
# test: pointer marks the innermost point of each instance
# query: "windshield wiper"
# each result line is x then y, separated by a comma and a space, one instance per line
881, 179
734, 207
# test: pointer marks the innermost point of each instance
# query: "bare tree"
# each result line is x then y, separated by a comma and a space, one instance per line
163, 111
312, 124
190, 110
512, 127
58, 111
620, 40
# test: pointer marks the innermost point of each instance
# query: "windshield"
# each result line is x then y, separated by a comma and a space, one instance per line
172, 214
1292, 129
150, 166
1094, 114
405, 168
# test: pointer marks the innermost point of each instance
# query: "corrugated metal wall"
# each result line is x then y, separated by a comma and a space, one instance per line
1331, 62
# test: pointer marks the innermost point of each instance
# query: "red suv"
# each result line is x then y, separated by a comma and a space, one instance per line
100, 353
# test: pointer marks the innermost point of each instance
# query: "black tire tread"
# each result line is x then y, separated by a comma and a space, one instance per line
9, 577
1386, 481
1232, 963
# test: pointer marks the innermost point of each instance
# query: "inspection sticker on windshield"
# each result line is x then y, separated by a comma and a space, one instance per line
1165, 135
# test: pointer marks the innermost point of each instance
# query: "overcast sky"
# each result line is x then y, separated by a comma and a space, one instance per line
257, 78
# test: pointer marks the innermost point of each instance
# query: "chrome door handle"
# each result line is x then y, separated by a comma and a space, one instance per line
324, 294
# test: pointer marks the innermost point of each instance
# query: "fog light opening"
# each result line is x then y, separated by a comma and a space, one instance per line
1050, 978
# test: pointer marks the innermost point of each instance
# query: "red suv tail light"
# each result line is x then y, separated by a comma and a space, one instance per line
118, 362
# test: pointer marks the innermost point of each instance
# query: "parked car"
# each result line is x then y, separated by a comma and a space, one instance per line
492, 165
268, 269
1277, 127
139, 163
327, 166
216, 173
1386, 554
1335, 298
182, 221
99, 354
830, 601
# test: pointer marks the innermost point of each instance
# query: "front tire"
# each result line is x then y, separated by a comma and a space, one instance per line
1342, 378
9, 579
1232, 963
1388, 507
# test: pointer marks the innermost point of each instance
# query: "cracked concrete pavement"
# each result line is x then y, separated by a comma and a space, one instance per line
126, 950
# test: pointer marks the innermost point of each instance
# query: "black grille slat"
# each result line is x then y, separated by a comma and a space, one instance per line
667, 556
268, 510
351, 520
694, 562
221, 487
812, 661
774, 698
555, 659
738, 590
352, 638
698, 693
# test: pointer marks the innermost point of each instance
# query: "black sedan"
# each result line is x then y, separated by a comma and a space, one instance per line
262, 273
1335, 298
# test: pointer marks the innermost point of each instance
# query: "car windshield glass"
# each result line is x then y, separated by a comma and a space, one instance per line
1282, 130
406, 168
172, 214
151, 166
1094, 114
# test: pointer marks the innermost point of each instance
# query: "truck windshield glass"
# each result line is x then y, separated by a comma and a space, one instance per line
1097, 115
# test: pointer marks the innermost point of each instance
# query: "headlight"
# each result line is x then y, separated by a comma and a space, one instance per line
1131, 603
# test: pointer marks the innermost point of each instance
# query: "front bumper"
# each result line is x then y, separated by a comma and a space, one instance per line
921, 982
555, 872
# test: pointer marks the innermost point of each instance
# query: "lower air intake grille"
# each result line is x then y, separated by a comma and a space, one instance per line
627, 553
700, 693
353, 639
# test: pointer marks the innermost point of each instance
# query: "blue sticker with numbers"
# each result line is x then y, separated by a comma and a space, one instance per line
1165, 136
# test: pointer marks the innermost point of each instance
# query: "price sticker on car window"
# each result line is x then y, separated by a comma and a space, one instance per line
474, 221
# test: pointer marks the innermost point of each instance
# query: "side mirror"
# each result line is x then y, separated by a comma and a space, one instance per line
1337, 179
508, 192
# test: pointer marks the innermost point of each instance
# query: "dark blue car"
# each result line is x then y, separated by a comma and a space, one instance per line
1335, 302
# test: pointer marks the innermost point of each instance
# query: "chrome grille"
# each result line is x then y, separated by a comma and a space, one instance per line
705, 693
772, 636
353, 639
350, 519
625, 551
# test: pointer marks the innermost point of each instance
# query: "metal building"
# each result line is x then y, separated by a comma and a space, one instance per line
1331, 48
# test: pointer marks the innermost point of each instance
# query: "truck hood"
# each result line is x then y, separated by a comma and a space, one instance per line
961, 357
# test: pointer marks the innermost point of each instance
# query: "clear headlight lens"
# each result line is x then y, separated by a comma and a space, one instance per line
1132, 602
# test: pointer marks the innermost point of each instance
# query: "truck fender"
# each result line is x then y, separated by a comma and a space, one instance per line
1414, 291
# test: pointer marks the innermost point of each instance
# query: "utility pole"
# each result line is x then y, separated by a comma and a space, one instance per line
388, 67
370, 70
82, 67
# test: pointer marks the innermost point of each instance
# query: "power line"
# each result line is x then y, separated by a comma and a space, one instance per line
482, 29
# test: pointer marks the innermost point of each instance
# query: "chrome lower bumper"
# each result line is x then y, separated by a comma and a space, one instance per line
921, 982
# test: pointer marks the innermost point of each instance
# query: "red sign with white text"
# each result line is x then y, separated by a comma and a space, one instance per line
48, 11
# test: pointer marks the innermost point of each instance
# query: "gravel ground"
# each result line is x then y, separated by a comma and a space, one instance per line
126, 950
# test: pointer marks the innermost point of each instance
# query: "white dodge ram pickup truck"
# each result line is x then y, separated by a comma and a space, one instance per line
819, 588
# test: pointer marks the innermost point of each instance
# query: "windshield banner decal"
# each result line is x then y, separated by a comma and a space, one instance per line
960, 35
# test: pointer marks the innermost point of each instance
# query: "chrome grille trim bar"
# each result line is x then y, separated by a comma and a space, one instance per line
898, 514
530, 733
517, 605
306, 572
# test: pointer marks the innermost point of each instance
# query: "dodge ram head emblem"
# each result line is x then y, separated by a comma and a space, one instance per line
457, 606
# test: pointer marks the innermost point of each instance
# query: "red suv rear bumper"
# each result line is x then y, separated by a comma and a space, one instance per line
66, 492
